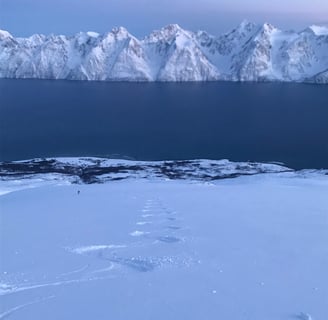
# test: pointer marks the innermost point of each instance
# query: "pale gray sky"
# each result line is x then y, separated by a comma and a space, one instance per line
25, 17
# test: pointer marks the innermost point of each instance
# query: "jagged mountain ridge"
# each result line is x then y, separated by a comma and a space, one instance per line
248, 53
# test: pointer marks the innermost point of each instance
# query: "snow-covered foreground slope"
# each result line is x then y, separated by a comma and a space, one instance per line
252, 247
250, 52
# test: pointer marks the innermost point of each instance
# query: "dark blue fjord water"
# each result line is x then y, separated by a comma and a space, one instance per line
156, 121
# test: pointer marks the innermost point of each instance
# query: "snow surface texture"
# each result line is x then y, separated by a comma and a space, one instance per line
248, 53
152, 247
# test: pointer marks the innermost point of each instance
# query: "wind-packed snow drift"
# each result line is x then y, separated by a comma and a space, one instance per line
248, 53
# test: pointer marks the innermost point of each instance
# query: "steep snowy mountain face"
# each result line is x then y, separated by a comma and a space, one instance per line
248, 53
176, 56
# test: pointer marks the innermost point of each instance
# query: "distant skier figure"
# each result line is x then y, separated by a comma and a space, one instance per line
78, 191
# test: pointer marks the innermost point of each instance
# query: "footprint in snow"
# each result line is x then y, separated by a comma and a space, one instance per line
169, 239
137, 264
173, 227
138, 233
147, 215
143, 223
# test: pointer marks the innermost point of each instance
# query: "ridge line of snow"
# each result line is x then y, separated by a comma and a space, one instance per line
249, 52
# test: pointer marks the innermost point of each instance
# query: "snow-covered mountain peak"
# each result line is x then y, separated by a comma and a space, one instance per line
268, 28
266, 32
319, 30
307, 31
116, 35
222, 48
120, 33
172, 28
58, 38
247, 26
166, 34
37, 38
5, 34
93, 34
245, 30
86, 37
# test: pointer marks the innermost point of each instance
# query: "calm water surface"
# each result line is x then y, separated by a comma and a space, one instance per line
155, 121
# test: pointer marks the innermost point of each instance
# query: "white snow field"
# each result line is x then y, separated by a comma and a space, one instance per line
249, 248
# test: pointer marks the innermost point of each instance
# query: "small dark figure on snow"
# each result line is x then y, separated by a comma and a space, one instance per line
78, 191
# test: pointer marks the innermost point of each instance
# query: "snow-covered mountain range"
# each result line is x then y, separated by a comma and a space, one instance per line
250, 52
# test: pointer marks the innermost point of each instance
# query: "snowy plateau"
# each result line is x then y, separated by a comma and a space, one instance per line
250, 52
91, 238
